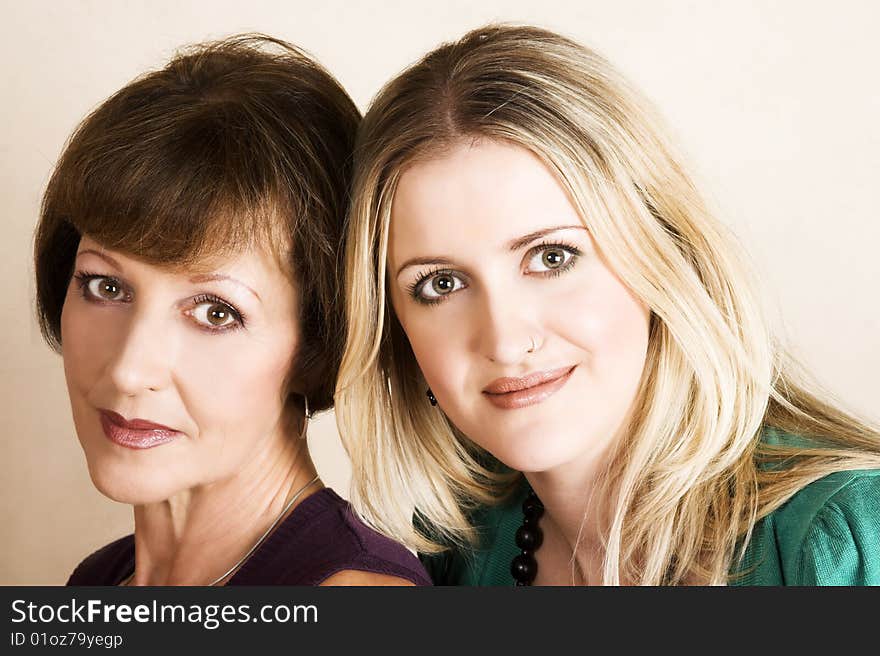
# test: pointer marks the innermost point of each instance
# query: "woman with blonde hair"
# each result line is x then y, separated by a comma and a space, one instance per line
557, 370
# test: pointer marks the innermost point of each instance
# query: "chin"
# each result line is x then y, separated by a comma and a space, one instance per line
535, 453
527, 441
532, 463
121, 484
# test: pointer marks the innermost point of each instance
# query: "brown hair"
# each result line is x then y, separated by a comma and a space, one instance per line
240, 143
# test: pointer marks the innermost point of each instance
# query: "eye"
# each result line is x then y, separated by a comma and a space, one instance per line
102, 288
214, 314
434, 287
551, 257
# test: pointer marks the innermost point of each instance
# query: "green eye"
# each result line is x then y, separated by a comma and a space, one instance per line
443, 284
553, 258
545, 259
436, 286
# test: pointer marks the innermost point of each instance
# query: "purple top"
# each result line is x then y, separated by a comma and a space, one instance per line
320, 537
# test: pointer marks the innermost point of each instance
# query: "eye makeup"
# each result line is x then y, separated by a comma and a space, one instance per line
415, 289
573, 251
424, 277
203, 299
85, 278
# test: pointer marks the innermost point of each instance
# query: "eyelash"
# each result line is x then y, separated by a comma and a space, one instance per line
415, 287
573, 250
83, 279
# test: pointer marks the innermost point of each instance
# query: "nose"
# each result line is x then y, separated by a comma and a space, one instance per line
509, 326
141, 355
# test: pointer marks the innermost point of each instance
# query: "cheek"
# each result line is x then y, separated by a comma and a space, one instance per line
86, 341
435, 354
439, 349
612, 326
233, 383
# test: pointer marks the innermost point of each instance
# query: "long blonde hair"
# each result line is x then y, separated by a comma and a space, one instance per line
687, 484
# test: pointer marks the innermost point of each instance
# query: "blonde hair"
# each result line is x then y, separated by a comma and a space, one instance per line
691, 478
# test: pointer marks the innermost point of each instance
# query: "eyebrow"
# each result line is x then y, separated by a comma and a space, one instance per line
204, 277
525, 240
513, 245
103, 256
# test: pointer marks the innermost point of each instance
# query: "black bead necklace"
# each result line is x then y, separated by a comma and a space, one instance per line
529, 537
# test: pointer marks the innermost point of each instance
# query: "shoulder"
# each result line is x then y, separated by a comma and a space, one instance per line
833, 526
828, 533
354, 577
106, 566
488, 562
356, 554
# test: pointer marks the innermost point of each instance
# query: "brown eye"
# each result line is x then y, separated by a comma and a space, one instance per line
106, 289
218, 315
214, 315
109, 289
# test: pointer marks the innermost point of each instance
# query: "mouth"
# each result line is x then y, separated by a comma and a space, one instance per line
510, 393
135, 433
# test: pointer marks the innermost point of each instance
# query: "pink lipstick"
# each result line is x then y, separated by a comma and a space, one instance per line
510, 393
135, 433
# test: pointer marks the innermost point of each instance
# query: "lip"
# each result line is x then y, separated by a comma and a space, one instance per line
135, 433
510, 393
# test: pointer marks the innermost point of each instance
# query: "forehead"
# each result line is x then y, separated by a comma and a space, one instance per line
485, 192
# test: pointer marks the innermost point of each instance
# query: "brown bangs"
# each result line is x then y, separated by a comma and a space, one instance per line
179, 177
235, 145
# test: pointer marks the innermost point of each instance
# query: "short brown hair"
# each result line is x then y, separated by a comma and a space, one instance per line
244, 142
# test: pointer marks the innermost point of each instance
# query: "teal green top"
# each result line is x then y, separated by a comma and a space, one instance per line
828, 533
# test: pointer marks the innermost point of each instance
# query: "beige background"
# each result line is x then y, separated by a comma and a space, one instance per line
776, 103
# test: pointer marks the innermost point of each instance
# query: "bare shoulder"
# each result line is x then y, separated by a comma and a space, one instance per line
358, 577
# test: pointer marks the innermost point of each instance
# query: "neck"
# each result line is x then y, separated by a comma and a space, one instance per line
195, 536
575, 517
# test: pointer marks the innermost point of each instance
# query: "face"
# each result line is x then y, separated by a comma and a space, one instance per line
530, 343
175, 378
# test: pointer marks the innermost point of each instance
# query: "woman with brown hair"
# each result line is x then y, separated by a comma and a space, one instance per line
186, 266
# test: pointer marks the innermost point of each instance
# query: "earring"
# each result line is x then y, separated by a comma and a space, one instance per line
431, 397
306, 416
